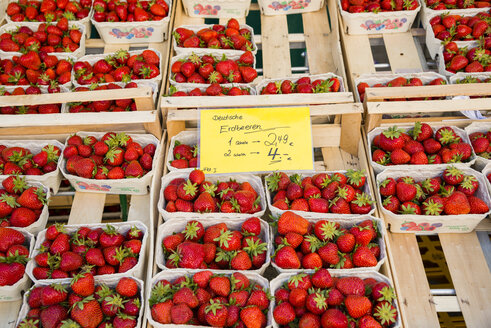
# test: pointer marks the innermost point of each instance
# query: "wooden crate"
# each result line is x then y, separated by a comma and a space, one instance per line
405, 55
89, 208
147, 116
469, 273
324, 55
464, 255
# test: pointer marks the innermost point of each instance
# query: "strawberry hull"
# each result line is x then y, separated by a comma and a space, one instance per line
481, 162
348, 223
134, 186
174, 274
283, 278
40, 223
133, 32
254, 180
378, 168
431, 224
109, 281
178, 225
12, 293
137, 271
51, 180
34, 26
195, 28
314, 215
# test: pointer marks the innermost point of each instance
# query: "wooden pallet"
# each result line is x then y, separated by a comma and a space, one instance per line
405, 55
89, 208
275, 43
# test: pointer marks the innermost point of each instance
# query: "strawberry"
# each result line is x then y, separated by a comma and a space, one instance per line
287, 258
87, 312
83, 284
334, 318
457, 203
284, 313
252, 317
291, 222
363, 257
127, 287
351, 286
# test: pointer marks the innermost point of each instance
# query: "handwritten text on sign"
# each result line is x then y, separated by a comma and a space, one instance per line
255, 140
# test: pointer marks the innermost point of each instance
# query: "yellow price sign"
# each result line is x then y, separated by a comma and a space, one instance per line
255, 140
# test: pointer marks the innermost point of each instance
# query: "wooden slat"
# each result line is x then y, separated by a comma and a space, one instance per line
402, 52
350, 132
470, 276
87, 208
446, 304
316, 29
471, 89
399, 107
109, 48
258, 100
58, 98
275, 46
416, 304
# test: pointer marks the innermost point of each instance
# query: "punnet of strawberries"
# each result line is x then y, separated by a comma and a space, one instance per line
30, 109
66, 251
448, 27
118, 105
363, 6
51, 38
185, 155
36, 69
129, 10
20, 160
458, 4
21, 203
214, 89
208, 299
327, 301
84, 302
326, 192
420, 145
467, 59
480, 142
399, 82
219, 36
217, 246
121, 66
301, 244
302, 85
14, 254
198, 195
452, 192
208, 69
48, 10
114, 156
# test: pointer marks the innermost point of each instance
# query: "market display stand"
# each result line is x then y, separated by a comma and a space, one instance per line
323, 54
464, 255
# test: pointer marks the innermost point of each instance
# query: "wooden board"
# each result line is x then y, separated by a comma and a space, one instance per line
470, 276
